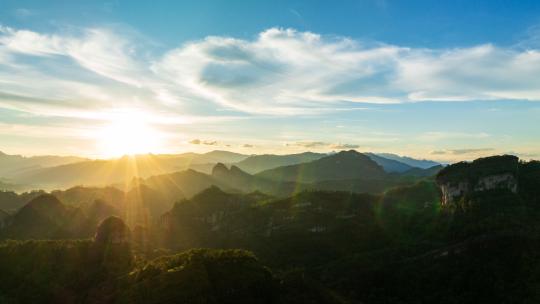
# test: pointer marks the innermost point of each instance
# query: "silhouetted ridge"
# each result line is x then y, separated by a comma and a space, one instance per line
463, 171
112, 230
43, 217
419, 172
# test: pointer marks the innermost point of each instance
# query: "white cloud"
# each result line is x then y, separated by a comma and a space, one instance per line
280, 72
482, 72
32, 43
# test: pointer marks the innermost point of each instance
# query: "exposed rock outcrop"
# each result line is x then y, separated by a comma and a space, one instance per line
483, 174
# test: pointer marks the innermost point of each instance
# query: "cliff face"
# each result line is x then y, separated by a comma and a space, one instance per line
497, 181
453, 191
483, 174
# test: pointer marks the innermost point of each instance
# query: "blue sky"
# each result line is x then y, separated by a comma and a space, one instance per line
446, 80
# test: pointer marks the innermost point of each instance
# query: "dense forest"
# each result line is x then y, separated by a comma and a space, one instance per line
333, 229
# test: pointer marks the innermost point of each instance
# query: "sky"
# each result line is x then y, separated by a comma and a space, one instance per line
442, 80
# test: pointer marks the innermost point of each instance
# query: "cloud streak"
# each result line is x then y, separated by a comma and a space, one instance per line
203, 142
322, 145
462, 151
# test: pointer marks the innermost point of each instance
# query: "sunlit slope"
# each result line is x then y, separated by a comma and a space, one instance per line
119, 171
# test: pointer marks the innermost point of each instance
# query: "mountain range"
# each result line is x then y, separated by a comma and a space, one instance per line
144, 199
337, 229
50, 172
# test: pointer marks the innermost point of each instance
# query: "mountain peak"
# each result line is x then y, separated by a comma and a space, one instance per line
349, 153
45, 202
343, 165
219, 169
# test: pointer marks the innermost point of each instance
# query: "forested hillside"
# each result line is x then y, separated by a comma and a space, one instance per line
467, 235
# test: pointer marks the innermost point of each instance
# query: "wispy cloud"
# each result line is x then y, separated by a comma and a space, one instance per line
89, 73
203, 142
309, 144
322, 145
280, 71
344, 146
462, 151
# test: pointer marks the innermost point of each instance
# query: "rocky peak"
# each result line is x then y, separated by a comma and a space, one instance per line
236, 171
220, 169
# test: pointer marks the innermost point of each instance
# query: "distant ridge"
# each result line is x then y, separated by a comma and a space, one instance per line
419, 163
340, 166
258, 163
11, 165
120, 170
389, 165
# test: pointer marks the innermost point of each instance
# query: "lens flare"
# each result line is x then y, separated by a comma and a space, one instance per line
128, 133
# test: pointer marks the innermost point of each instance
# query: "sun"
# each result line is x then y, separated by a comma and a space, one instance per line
128, 133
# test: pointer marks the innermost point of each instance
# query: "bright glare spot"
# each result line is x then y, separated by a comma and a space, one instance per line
128, 133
